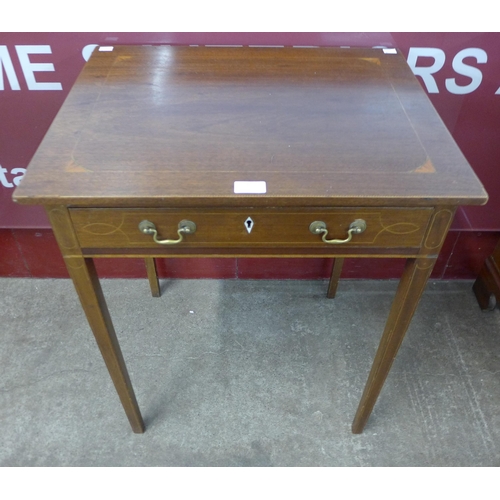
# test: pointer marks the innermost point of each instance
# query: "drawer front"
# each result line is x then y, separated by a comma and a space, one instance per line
119, 228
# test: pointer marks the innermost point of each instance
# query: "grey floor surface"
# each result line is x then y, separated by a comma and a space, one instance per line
247, 373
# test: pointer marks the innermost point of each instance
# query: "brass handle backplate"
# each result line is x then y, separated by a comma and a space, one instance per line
184, 227
319, 227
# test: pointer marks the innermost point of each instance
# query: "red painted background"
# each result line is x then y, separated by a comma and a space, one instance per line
459, 71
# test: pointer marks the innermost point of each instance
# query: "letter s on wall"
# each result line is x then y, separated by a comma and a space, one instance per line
464, 69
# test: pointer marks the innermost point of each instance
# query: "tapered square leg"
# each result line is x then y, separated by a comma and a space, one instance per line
153, 277
410, 289
84, 276
334, 278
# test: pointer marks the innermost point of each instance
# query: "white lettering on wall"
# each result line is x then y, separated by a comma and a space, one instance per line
21, 171
464, 69
438, 56
17, 172
426, 72
7, 66
87, 51
28, 67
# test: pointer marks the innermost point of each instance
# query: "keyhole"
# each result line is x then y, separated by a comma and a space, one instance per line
249, 225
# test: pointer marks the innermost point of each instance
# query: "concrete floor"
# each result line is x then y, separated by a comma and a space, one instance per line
247, 373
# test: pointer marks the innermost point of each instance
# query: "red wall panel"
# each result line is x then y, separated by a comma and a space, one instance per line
11, 257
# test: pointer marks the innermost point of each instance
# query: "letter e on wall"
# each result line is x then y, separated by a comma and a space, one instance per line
30, 68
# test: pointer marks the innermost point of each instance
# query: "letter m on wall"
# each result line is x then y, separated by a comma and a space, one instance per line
7, 68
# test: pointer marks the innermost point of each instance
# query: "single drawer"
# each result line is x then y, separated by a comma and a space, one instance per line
248, 227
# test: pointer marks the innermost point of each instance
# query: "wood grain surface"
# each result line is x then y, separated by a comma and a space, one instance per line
172, 126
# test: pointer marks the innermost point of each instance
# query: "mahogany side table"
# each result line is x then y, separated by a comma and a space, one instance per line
162, 151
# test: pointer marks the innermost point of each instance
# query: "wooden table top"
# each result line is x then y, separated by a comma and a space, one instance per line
176, 126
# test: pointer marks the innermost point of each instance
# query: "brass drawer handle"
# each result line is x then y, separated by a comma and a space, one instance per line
184, 227
319, 227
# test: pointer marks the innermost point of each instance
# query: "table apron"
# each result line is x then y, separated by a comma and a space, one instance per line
402, 253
